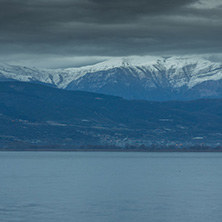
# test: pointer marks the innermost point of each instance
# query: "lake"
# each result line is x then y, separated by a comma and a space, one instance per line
110, 187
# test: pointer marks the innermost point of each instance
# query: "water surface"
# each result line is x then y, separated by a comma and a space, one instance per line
110, 187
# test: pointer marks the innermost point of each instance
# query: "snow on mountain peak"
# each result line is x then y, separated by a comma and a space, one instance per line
173, 70
134, 61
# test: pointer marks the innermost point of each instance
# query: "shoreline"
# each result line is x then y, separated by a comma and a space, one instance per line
116, 150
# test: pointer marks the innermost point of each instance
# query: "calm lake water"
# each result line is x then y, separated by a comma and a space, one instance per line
110, 187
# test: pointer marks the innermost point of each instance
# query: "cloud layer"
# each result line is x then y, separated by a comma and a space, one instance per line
83, 28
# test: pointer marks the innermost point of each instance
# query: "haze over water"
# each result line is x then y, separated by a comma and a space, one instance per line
108, 187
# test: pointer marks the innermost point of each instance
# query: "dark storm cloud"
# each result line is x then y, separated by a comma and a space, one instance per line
101, 11
108, 28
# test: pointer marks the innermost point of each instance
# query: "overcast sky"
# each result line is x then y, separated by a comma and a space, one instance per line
67, 33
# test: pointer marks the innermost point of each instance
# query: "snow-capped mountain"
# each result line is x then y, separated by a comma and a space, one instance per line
152, 78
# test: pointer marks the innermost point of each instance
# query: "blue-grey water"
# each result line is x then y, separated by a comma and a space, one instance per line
110, 187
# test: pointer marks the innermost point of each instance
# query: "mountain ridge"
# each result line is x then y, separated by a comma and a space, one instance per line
150, 78
40, 115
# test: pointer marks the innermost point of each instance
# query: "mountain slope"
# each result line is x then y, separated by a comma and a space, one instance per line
150, 78
41, 115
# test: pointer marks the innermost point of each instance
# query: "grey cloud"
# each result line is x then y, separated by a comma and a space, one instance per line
99, 11
107, 28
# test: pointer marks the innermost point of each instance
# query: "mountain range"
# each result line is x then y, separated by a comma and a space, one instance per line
38, 115
143, 78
